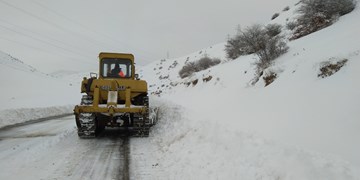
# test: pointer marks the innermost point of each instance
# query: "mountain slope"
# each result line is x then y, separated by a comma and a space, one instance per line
24, 87
28, 94
301, 126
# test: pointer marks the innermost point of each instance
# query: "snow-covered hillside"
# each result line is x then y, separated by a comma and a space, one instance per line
301, 126
24, 86
27, 93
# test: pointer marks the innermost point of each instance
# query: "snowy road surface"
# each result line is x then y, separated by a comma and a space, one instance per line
52, 150
182, 145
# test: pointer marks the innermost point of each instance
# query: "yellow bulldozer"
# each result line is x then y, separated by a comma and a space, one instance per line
117, 98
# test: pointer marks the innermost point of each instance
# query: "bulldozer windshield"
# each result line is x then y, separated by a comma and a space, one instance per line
115, 68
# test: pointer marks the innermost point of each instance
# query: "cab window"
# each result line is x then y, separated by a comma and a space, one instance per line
116, 68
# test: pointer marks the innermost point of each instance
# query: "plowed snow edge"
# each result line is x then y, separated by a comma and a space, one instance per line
16, 117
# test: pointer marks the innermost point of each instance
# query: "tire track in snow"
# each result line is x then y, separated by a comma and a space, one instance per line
59, 156
125, 150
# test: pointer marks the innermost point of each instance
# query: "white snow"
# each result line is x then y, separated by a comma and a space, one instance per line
299, 127
52, 150
20, 115
28, 94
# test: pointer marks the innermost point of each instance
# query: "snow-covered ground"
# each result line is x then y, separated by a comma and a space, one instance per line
299, 127
20, 115
187, 145
52, 150
24, 87
28, 94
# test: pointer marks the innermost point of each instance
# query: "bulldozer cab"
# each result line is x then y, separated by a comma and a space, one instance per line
114, 65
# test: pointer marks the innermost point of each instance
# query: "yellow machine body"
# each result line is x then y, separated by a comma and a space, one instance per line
116, 97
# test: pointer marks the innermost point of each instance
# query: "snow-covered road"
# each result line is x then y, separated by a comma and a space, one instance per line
52, 150
183, 145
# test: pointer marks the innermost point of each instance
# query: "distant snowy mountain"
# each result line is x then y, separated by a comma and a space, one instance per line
23, 86
6, 60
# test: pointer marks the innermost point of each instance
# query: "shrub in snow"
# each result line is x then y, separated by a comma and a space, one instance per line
318, 14
195, 82
273, 29
245, 42
164, 77
202, 64
206, 62
275, 16
173, 65
291, 25
266, 42
328, 68
269, 78
286, 8
187, 70
207, 79
271, 48
328, 8
233, 49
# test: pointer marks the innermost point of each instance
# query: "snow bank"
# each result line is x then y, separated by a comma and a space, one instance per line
15, 116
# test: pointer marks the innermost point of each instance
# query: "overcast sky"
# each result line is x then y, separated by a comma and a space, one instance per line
60, 33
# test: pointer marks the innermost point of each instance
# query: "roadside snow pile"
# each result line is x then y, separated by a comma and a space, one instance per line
15, 116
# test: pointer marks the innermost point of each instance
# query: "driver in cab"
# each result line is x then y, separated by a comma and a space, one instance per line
117, 71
